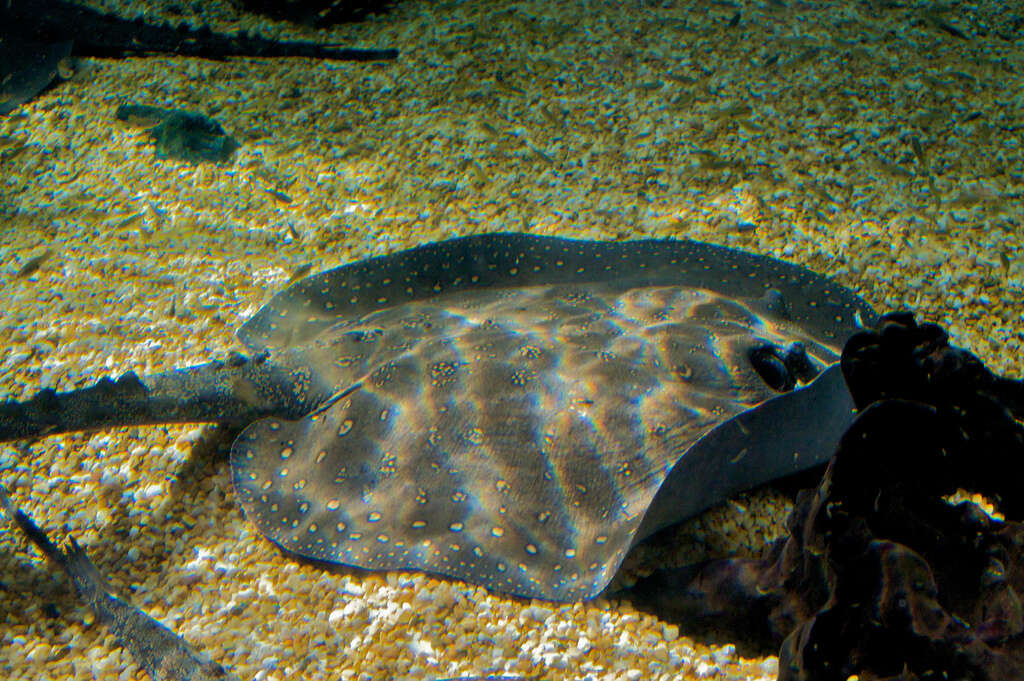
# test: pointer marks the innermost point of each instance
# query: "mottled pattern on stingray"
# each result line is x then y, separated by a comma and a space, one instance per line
512, 438
821, 307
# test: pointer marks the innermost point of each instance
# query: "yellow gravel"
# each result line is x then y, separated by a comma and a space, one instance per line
871, 146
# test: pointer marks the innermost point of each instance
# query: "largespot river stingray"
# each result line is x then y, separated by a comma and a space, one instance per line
515, 411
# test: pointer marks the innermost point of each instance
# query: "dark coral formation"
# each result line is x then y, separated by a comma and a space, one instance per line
881, 577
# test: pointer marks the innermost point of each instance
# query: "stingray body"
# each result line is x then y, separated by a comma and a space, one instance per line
511, 410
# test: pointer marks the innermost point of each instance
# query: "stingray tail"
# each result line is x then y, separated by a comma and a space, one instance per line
162, 653
103, 35
237, 392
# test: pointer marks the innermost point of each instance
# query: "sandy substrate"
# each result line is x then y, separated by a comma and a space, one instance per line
869, 143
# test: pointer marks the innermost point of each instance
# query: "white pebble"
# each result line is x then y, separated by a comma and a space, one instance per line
770, 666
725, 654
537, 613
149, 492
703, 670
224, 569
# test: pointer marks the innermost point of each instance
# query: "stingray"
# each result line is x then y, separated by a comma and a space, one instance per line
511, 410
37, 35
27, 68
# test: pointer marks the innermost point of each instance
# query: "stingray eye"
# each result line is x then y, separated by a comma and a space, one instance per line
782, 368
800, 363
770, 364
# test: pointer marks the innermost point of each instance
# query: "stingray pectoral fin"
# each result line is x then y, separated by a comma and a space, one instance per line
458, 478
785, 435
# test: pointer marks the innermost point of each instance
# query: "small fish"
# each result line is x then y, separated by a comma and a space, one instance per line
13, 151
163, 654
508, 88
972, 196
553, 120
1004, 260
749, 125
892, 168
683, 100
139, 116
8, 142
733, 110
709, 160
357, 149
300, 272
66, 68
931, 118
32, 265
541, 154
489, 129
280, 197
946, 27
478, 170
915, 144
130, 221
807, 55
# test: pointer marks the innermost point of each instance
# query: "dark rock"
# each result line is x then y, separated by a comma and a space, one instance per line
881, 577
182, 135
